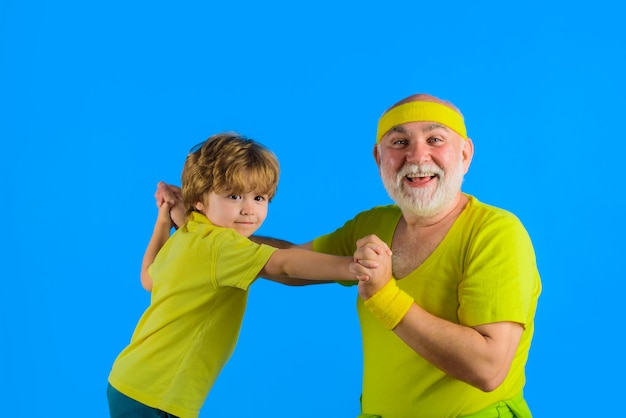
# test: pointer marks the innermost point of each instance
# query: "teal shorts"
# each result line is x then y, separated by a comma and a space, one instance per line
121, 406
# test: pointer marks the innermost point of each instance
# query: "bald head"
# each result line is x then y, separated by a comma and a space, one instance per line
423, 97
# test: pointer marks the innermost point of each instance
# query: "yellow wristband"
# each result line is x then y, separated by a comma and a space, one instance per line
390, 304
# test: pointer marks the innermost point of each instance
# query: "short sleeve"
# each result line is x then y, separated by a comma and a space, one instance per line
501, 279
238, 260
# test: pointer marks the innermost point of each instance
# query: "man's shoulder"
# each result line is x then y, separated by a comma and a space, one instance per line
482, 218
477, 208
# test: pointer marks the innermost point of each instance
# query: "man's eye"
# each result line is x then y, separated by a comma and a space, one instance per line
400, 142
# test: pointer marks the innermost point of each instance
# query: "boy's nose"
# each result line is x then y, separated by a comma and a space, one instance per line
247, 210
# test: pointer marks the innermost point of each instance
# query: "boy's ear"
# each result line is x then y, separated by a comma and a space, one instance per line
199, 206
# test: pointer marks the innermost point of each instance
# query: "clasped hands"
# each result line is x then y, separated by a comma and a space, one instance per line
371, 265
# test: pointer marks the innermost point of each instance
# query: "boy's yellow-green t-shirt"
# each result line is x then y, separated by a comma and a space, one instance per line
483, 271
200, 289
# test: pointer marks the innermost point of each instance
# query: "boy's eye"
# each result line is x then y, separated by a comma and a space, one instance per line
259, 198
234, 196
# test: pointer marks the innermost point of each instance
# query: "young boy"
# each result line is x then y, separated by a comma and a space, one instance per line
199, 278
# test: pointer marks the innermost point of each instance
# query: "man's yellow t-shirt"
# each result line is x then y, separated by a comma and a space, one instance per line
200, 289
483, 271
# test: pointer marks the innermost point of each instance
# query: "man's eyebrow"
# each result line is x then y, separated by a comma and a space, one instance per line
398, 128
434, 126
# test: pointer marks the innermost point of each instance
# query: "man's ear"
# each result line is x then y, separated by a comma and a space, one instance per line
376, 156
468, 153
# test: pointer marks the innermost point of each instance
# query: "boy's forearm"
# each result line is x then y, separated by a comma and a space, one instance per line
160, 235
304, 264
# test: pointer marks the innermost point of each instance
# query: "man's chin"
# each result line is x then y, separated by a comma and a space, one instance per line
418, 206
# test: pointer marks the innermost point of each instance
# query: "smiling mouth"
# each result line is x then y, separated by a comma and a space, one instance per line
414, 177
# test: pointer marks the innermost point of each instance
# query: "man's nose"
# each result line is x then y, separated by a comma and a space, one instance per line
418, 153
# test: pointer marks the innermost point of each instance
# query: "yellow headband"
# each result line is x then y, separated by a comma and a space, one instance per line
421, 112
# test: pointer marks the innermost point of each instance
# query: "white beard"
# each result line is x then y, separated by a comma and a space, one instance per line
426, 201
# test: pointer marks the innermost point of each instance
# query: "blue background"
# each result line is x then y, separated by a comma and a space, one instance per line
100, 100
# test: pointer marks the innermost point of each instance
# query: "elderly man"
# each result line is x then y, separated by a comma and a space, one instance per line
447, 326
448, 335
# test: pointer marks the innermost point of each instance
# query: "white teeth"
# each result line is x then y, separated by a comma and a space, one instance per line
412, 171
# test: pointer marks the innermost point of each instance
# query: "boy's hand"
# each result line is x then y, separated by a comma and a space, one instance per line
173, 195
163, 216
372, 265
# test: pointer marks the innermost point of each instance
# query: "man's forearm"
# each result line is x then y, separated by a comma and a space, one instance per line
274, 242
